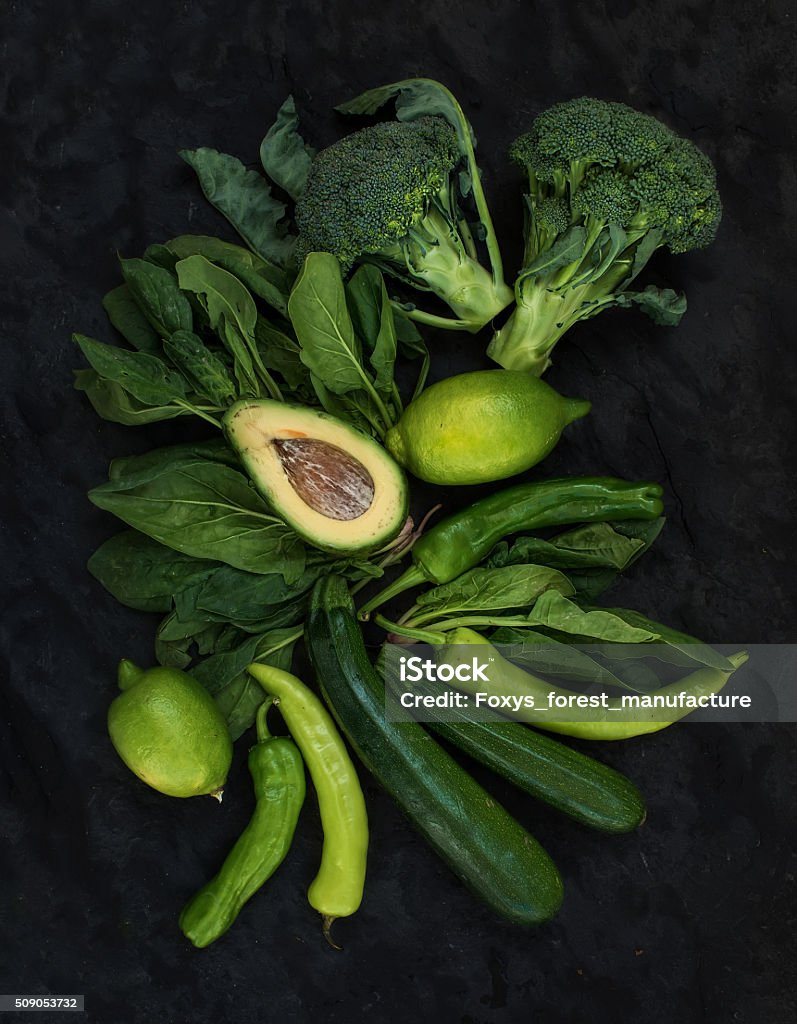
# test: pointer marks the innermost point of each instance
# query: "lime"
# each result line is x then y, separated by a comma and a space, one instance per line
481, 426
169, 731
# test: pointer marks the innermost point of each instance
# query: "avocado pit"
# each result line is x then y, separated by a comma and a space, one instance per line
328, 479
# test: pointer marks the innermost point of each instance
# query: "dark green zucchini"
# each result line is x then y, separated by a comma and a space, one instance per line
475, 836
578, 785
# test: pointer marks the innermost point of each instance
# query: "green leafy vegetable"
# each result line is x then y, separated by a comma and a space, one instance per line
146, 377
202, 367
244, 198
285, 156
126, 316
207, 510
486, 590
143, 574
329, 346
158, 297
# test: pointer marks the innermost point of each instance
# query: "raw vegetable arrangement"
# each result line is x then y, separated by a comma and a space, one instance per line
289, 344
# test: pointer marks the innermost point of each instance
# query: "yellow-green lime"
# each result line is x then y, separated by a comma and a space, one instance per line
168, 730
481, 426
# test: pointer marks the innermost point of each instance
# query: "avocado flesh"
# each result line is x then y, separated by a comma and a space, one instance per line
337, 487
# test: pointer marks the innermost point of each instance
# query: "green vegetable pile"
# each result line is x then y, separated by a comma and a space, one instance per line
292, 346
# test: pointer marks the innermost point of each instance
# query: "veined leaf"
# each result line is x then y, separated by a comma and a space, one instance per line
244, 198
285, 156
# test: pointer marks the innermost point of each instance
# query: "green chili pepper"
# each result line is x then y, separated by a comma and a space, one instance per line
614, 722
278, 774
338, 887
461, 541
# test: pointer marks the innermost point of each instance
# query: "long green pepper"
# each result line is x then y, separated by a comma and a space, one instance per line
619, 723
337, 889
278, 774
461, 541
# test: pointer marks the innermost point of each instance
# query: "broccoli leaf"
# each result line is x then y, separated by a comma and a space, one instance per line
245, 199
568, 248
664, 306
285, 156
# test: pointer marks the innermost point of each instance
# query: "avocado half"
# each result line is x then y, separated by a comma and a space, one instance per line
337, 487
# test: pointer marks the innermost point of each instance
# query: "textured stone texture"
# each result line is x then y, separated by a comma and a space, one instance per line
692, 920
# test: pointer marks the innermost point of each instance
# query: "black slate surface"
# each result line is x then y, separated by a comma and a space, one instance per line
692, 920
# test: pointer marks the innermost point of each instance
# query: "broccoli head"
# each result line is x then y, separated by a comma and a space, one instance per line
389, 195
608, 185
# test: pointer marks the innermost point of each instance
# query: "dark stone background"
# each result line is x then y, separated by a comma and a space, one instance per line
692, 920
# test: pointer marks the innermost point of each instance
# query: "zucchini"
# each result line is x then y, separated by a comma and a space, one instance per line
579, 786
474, 835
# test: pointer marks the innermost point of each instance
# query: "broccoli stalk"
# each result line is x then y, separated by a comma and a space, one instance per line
607, 187
388, 195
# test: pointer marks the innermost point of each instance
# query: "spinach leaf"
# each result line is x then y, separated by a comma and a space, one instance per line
207, 510
285, 156
372, 317
542, 655
113, 403
143, 574
281, 353
554, 611
595, 544
158, 296
127, 318
231, 310
690, 647
129, 470
224, 675
202, 367
160, 256
412, 346
329, 346
481, 590
245, 199
590, 583
266, 280
146, 377
624, 627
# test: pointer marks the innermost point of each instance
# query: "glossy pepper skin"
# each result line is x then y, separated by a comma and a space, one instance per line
278, 775
337, 889
461, 541
614, 723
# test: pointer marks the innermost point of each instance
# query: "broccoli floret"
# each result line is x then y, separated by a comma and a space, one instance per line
608, 186
388, 194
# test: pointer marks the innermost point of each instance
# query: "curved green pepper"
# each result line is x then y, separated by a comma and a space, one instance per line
337, 890
278, 774
614, 722
461, 541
